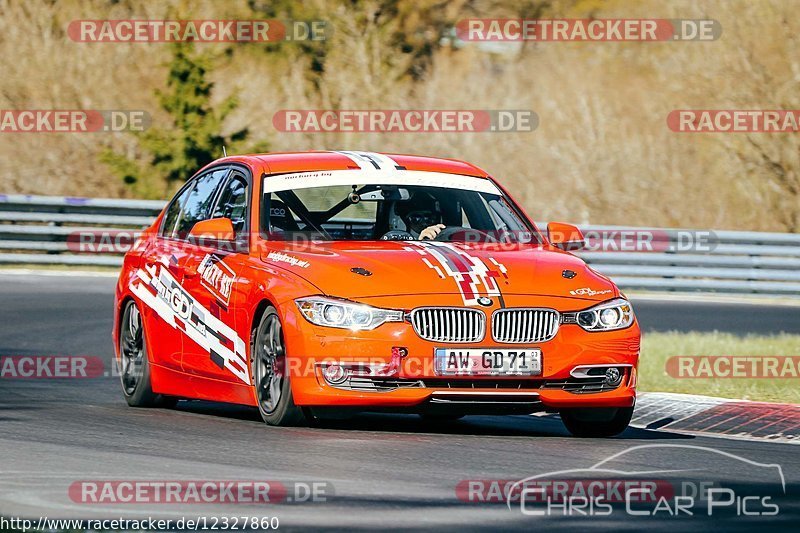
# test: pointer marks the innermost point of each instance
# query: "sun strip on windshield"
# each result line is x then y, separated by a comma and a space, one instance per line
330, 178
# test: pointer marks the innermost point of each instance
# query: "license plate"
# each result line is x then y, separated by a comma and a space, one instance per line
487, 362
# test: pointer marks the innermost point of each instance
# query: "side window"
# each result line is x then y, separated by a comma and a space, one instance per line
174, 212
198, 202
232, 204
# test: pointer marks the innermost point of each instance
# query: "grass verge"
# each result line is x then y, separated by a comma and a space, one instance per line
657, 348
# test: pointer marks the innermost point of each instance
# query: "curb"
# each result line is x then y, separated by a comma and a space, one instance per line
720, 417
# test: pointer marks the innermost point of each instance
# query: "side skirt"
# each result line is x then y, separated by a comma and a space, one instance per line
172, 382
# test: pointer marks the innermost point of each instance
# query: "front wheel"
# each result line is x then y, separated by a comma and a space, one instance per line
596, 421
271, 373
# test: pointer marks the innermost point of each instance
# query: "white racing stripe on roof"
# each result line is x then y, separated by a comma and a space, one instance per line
372, 160
328, 178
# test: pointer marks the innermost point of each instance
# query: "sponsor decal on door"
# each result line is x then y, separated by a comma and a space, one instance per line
217, 277
158, 289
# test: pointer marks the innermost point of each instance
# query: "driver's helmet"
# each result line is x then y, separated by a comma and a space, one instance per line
419, 212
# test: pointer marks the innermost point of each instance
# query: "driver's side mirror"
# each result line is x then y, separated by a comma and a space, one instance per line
213, 229
565, 236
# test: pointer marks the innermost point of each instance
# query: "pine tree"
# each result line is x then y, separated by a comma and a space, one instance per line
193, 139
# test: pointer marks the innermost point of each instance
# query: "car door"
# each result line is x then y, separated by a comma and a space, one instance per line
167, 308
212, 274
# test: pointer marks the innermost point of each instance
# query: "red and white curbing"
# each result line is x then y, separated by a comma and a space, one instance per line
685, 413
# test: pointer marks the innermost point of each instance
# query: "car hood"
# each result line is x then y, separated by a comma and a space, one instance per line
392, 268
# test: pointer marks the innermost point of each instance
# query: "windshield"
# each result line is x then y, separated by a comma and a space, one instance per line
364, 212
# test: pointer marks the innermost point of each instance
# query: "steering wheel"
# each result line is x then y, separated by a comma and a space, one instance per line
467, 233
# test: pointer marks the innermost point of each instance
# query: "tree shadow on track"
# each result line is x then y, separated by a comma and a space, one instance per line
224, 410
499, 426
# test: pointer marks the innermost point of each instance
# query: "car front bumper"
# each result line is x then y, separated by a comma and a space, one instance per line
397, 370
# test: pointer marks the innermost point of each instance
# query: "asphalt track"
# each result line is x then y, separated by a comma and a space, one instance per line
381, 471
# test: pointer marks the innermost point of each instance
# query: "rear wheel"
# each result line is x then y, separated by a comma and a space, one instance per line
271, 375
134, 367
596, 421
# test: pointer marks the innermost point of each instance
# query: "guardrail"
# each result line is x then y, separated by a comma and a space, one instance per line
36, 230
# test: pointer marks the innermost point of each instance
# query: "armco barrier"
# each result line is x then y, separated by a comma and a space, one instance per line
34, 231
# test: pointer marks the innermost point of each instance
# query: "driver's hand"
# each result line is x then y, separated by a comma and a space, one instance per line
431, 232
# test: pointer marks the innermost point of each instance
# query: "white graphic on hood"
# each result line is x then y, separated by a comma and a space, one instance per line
473, 277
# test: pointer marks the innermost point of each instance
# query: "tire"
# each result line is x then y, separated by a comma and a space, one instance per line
270, 379
597, 421
134, 366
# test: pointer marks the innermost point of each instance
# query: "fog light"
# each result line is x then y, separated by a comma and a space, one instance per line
613, 376
334, 374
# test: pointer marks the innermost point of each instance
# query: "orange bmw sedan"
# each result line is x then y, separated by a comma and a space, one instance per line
318, 284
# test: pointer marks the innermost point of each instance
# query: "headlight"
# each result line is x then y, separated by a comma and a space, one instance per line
616, 314
343, 314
